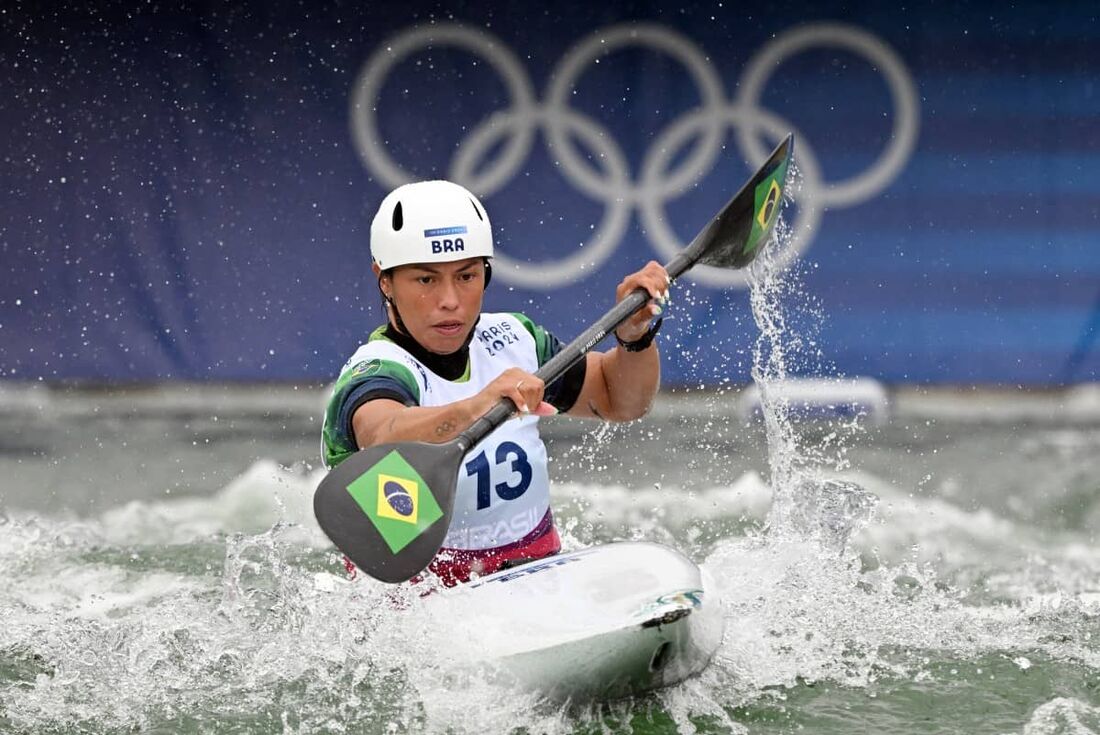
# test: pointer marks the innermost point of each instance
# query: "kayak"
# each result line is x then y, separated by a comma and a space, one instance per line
604, 622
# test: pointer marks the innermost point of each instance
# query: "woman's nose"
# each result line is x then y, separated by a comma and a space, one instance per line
448, 295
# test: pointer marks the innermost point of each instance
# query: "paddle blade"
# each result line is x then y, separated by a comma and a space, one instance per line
388, 507
734, 237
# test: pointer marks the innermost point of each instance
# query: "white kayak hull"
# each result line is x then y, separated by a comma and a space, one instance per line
600, 623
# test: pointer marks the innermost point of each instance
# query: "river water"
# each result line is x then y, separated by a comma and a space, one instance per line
932, 569
162, 573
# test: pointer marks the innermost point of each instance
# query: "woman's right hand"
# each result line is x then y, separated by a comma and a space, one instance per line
524, 389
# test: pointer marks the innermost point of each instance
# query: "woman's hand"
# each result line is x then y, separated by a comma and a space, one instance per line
524, 389
654, 279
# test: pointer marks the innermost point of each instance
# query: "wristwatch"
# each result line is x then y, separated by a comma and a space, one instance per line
642, 342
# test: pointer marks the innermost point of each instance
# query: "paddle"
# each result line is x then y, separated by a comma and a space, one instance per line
388, 507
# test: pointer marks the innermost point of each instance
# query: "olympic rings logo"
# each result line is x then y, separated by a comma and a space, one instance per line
513, 130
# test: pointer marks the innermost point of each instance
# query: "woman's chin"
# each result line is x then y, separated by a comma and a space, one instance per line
443, 345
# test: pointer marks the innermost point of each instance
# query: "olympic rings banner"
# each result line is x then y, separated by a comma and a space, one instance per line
188, 192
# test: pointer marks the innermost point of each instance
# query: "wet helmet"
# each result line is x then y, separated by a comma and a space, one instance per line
429, 222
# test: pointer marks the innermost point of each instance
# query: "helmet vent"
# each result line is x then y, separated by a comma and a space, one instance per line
478, 211
398, 217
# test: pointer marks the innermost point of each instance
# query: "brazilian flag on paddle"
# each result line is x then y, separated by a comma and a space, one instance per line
396, 499
767, 197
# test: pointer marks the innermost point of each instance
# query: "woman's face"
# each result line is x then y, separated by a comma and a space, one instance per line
439, 302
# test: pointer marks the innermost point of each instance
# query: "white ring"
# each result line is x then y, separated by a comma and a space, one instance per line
603, 42
365, 132
666, 241
593, 252
903, 92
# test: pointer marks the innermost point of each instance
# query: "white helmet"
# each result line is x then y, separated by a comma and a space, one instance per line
429, 222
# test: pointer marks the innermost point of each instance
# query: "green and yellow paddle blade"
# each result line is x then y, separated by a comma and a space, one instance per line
734, 237
388, 507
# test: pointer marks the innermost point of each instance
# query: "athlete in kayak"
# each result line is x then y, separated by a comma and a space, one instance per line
440, 362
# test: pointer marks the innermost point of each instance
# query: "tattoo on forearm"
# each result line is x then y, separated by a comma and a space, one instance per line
445, 428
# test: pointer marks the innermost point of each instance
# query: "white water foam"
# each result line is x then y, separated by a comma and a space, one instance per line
121, 646
1064, 716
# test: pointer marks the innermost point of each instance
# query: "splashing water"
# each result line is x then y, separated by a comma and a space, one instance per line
768, 285
109, 629
802, 503
803, 606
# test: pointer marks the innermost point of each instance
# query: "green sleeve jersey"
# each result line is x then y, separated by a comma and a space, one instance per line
363, 377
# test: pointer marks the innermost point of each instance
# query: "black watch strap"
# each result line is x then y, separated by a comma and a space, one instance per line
642, 342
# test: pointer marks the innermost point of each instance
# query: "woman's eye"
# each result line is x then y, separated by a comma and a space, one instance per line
424, 280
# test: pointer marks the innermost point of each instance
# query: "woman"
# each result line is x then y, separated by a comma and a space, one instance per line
439, 363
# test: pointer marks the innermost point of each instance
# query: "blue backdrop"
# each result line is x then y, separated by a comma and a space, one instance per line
187, 192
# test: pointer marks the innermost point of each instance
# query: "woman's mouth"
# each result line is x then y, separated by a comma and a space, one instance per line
448, 329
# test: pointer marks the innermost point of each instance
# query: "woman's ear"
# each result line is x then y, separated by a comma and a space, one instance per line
385, 282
